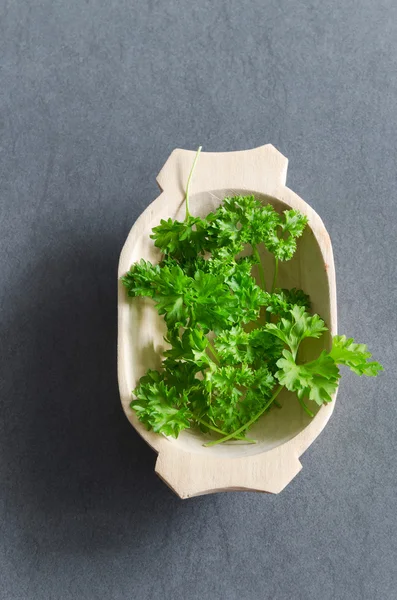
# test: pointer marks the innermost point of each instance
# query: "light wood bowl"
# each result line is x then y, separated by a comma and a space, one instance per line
187, 467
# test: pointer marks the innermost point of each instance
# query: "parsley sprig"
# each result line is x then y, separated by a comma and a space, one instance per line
233, 344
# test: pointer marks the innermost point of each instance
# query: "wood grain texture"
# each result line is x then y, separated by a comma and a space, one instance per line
184, 464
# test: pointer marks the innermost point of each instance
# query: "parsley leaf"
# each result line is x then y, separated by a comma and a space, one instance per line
282, 243
281, 302
161, 408
181, 240
296, 327
140, 279
232, 345
355, 356
317, 380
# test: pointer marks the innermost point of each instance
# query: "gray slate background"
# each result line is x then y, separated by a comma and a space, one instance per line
94, 95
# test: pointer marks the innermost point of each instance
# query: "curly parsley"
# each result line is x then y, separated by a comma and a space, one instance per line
225, 365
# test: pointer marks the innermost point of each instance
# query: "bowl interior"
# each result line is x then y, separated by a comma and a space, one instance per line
146, 328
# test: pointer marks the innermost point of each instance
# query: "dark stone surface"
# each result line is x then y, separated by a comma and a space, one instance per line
94, 96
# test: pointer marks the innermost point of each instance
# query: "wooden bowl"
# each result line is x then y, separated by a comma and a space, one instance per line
184, 464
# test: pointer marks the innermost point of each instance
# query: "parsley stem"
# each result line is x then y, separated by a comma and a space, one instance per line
260, 267
188, 183
275, 273
245, 440
250, 422
305, 408
209, 426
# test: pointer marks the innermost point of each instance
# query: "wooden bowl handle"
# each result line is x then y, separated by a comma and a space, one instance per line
191, 474
261, 169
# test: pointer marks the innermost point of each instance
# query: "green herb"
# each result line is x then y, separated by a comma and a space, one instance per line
225, 365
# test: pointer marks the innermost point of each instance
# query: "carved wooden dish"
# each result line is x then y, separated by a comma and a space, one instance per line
283, 435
